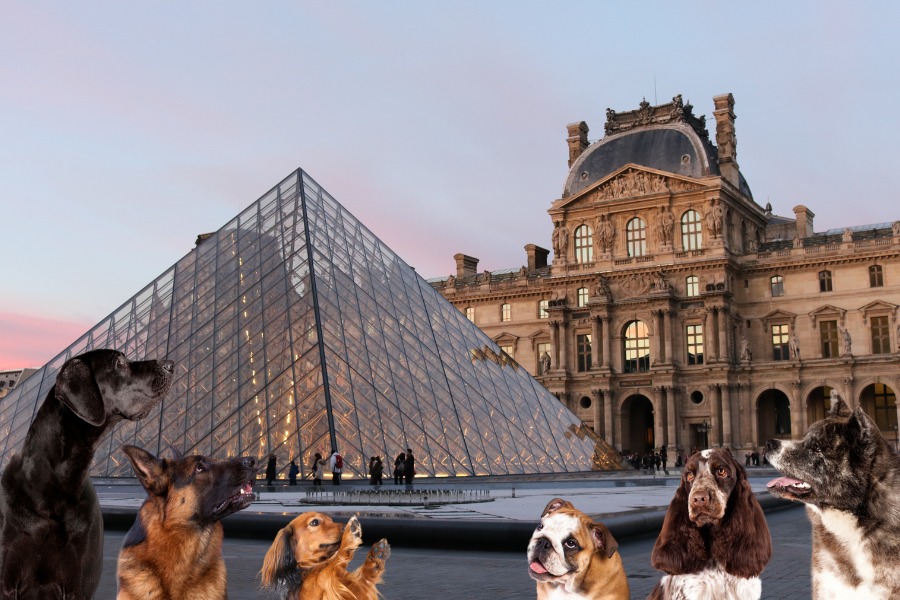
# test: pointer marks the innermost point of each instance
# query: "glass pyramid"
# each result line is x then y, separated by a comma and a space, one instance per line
295, 330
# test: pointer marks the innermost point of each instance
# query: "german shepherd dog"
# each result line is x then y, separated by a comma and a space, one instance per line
849, 479
309, 560
174, 549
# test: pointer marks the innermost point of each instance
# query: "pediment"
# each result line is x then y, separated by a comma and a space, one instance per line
879, 307
780, 315
827, 311
631, 181
504, 337
539, 333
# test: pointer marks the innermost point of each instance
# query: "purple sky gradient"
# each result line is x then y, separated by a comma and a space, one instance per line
126, 129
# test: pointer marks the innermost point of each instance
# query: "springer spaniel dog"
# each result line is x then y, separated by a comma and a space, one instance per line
714, 543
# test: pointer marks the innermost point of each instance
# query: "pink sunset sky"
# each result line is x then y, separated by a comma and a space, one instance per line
126, 128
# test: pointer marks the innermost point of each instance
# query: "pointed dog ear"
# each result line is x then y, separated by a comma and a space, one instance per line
174, 453
604, 539
148, 468
861, 429
75, 387
279, 562
555, 505
839, 408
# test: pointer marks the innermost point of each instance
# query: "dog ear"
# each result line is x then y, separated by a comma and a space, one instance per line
679, 549
839, 408
555, 505
604, 539
75, 387
742, 543
174, 453
861, 429
148, 468
279, 562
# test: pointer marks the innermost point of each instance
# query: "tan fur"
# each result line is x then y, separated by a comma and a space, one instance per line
319, 555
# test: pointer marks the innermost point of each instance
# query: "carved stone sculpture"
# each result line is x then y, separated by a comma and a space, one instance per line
846, 342
604, 234
451, 281
486, 277
523, 272
665, 224
794, 346
895, 226
601, 288
847, 236
636, 285
714, 217
660, 283
632, 183
560, 240
545, 362
746, 356
752, 246
798, 241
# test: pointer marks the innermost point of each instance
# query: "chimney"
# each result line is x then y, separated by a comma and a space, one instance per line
577, 140
537, 257
466, 266
804, 221
725, 137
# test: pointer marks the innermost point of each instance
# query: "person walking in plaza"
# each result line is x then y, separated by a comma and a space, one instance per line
292, 472
271, 470
337, 466
657, 461
398, 468
376, 471
409, 466
664, 455
318, 469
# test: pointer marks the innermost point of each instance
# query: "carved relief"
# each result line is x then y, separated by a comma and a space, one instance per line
665, 224
601, 288
560, 240
632, 183
672, 112
715, 218
635, 285
604, 232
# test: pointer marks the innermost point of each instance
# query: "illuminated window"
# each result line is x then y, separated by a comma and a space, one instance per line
584, 244
777, 286
695, 344
582, 297
636, 237
637, 348
470, 314
691, 232
693, 286
781, 342
508, 350
543, 305
505, 313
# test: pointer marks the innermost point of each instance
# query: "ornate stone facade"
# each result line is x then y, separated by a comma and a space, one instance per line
695, 305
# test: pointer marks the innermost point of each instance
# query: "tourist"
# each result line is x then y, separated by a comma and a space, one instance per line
318, 469
337, 466
409, 466
292, 472
398, 468
375, 471
271, 470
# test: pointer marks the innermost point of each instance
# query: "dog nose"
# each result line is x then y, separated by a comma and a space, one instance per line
249, 463
772, 445
700, 499
168, 366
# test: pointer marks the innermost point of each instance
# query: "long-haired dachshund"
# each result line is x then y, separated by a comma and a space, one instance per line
309, 560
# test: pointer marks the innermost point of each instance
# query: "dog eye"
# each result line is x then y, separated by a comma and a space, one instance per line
314, 522
120, 363
541, 526
721, 472
200, 468
570, 543
690, 476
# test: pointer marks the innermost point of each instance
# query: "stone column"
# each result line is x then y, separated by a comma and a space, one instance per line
659, 417
671, 417
715, 439
709, 344
618, 429
754, 427
796, 422
554, 346
655, 339
607, 362
725, 392
723, 334
563, 347
668, 314
746, 424
608, 400
597, 396
595, 344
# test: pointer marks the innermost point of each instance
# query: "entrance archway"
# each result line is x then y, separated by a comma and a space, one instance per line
818, 403
773, 414
880, 402
637, 425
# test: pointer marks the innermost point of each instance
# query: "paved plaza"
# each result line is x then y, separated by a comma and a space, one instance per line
413, 574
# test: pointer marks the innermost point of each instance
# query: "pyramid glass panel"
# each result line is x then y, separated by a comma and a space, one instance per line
295, 330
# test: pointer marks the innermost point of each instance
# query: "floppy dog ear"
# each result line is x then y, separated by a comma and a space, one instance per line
76, 388
555, 505
279, 563
604, 539
148, 469
679, 549
742, 543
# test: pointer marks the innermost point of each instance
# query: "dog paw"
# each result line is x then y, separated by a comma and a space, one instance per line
354, 528
380, 552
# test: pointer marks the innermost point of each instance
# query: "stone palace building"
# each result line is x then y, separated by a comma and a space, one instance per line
677, 311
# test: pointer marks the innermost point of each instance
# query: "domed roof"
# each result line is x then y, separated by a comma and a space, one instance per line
667, 137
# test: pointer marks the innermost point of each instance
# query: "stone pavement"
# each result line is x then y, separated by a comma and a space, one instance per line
457, 574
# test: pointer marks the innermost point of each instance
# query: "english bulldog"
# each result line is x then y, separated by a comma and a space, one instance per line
570, 556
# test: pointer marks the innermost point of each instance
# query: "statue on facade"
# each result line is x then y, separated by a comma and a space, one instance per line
487, 276
847, 235
560, 240
846, 348
605, 232
746, 356
794, 345
660, 283
798, 241
451, 281
752, 246
664, 226
601, 288
713, 222
523, 272
545, 363
895, 226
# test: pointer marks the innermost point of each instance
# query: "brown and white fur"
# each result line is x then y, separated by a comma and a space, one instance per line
714, 543
309, 559
849, 479
572, 557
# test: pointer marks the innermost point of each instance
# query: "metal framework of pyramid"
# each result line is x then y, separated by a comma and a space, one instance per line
295, 330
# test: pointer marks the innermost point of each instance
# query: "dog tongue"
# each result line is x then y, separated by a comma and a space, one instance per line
247, 488
784, 482
537, 567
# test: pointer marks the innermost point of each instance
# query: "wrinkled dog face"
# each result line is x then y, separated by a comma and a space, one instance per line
829, 467
554, 548
709, 477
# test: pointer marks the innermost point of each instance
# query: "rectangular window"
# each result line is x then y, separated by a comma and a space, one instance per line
781, 343
825, 281
876, 276
508, 350
543, 305
881, 336
584, 352
693, 286
582, 297
829, 332
470, 314
777, 286
541, 349
505, 313
695, 344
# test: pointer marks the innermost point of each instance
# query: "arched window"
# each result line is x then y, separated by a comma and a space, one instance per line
636, 237
637, 348
693, 286
584, 244
876, 276
582, 297
691, 232
777, 286
825, 281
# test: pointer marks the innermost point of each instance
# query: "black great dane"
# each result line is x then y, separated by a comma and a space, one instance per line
51, 528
